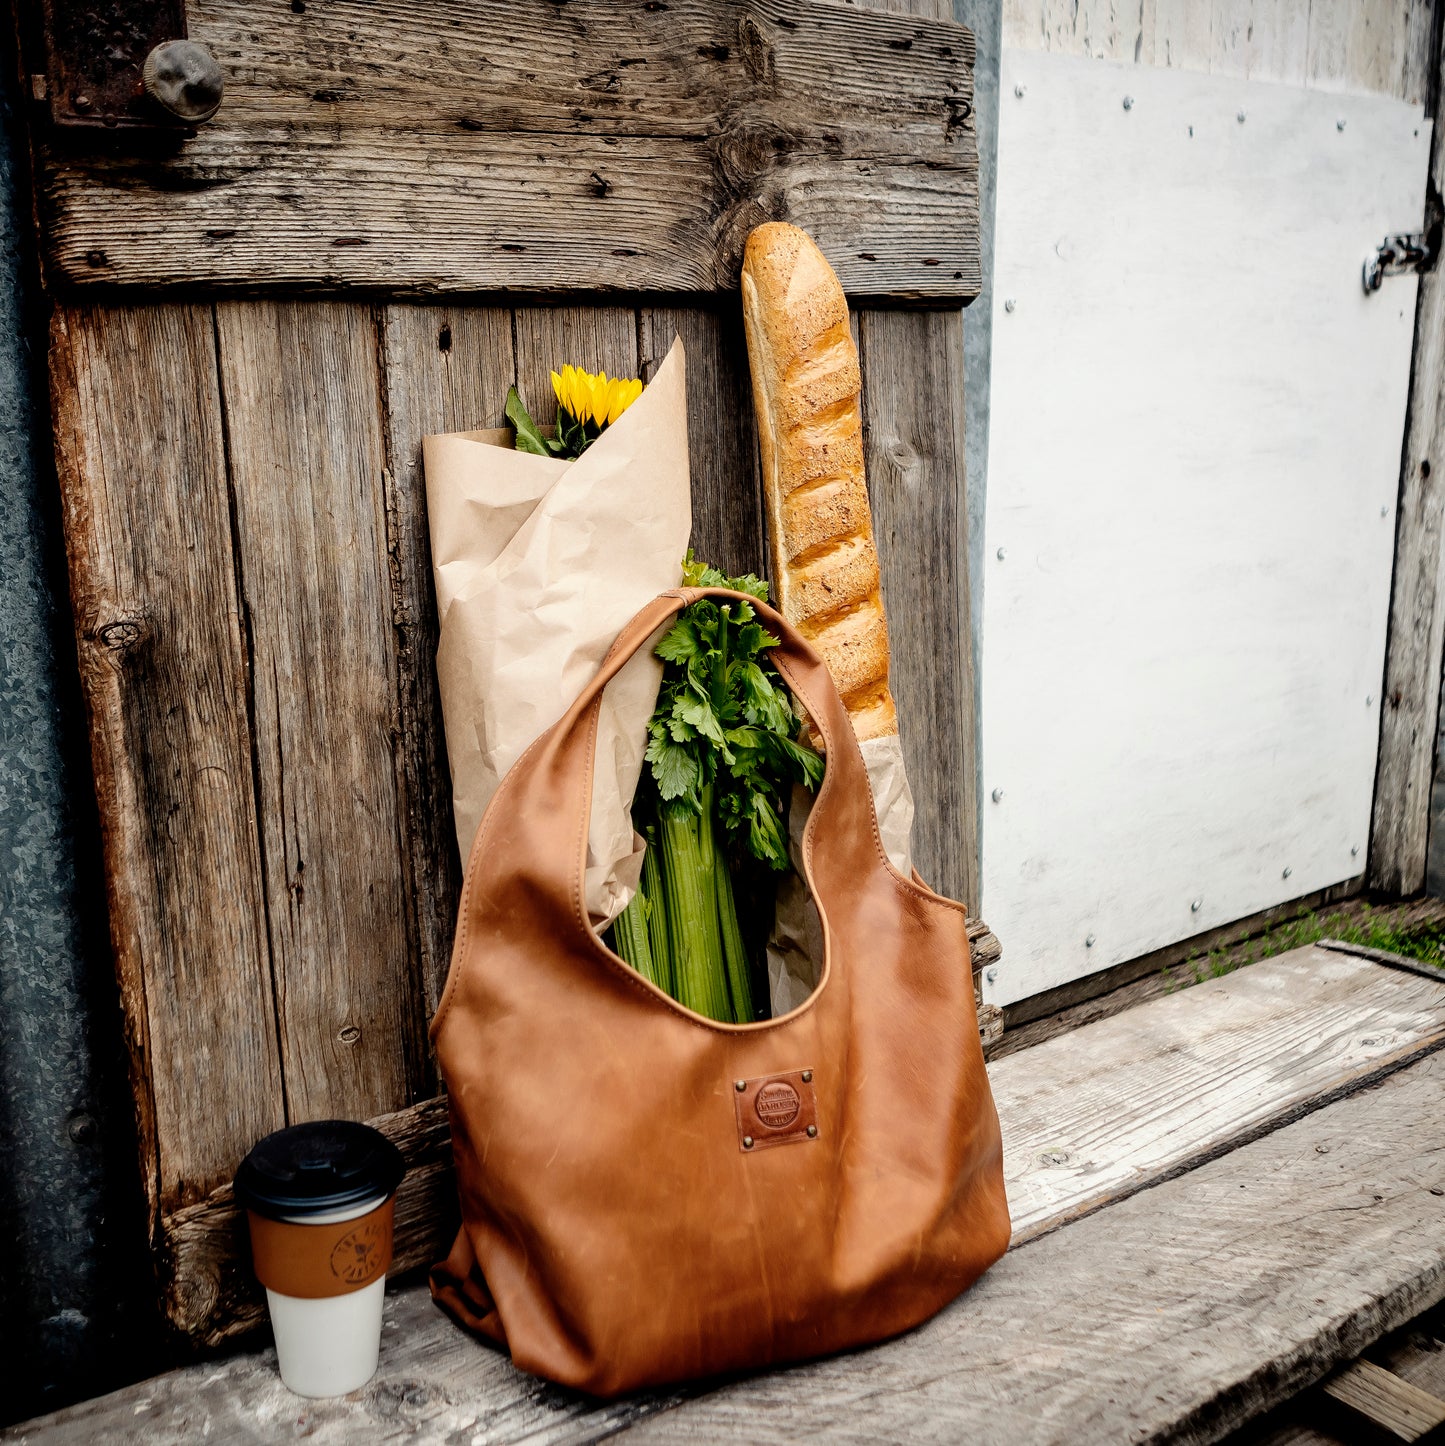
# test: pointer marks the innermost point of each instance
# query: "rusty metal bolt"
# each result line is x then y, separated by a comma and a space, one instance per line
182, 77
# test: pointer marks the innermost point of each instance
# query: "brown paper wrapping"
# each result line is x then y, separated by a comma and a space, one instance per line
539, 563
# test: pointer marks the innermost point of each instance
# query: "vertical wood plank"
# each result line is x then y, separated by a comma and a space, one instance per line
727, 510
598, 338
447, 369
139, 442
1400, 834
913, 449
1261, 39
302, 395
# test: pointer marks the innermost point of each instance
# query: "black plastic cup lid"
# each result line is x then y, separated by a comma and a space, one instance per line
314, 1168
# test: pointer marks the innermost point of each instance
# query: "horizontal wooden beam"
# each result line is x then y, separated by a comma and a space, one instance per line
541, 149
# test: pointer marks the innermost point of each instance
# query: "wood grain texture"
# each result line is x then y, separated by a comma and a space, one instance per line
1410, 717
1374, 46
446, 369
1173, 1315
727, 510
1386, 1400
606, 147
140, 452
302, 394
207, 1252
913, 447
1121, 1104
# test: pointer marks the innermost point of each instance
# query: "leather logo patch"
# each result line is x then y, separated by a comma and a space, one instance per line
777, 1104
360, 1255
777, 1109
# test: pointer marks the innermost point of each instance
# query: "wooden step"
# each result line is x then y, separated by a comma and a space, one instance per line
1188, 1307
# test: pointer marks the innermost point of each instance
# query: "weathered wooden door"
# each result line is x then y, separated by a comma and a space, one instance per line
396, 212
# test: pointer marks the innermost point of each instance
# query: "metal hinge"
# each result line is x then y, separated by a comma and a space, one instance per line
122, 66
1398, 254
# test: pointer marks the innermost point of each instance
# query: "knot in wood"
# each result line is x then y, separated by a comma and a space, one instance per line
755, 50
121, 636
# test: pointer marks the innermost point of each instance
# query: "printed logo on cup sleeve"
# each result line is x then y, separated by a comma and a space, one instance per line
360, 1255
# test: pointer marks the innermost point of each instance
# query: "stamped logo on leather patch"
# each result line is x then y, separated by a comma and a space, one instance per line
777, 1109
360, 1256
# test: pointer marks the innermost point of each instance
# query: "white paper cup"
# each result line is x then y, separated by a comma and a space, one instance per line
319, 1200
327, 1346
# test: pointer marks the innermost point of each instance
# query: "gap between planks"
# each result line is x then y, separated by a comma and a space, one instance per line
1184, 1082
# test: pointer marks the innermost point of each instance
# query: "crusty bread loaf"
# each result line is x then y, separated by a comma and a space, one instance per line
806, 391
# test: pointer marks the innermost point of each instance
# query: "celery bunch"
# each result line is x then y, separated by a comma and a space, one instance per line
722, 755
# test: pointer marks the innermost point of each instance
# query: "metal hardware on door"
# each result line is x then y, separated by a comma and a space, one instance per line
125, 68
1398, 254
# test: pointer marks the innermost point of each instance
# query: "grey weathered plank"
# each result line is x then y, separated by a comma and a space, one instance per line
603, 147
1372, 45
447, 369
913, 447
140, 449
1173, 1315
1115, 1107
302, 392
727, 511
1386, 1400
1410, 717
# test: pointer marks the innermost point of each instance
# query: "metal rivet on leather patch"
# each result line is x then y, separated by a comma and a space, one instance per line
740, 1085
775, 1109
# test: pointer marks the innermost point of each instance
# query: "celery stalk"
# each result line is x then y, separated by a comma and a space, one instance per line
629, 929
735, 955
692, 922
657, 915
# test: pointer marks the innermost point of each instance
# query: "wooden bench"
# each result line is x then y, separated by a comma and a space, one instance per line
1219, 1196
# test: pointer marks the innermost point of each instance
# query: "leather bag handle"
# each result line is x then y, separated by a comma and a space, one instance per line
547, 796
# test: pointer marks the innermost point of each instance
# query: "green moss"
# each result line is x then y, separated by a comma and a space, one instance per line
1372, 928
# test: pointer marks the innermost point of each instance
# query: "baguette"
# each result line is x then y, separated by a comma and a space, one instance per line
807, 395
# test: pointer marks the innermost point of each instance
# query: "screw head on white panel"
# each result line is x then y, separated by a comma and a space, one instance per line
1009, 303
1191, 132
1128, 102
1001, 554
1369, 699
1019, 91
1089, 941
1287, 871
997, 795
1384, 512
1195, 905
991, 975
1354, 851
1240, 117
1340, 124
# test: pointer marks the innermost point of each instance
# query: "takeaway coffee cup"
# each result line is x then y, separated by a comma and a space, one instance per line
319, 1198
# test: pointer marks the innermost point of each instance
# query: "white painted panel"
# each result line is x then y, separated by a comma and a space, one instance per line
1195, 445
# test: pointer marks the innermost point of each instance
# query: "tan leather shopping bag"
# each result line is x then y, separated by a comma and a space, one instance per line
648, 1196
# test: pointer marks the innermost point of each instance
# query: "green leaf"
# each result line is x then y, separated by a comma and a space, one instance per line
529, 437
680, 643
676, 770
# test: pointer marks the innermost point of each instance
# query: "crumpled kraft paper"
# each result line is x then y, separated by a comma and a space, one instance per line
539, 564
795, 947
